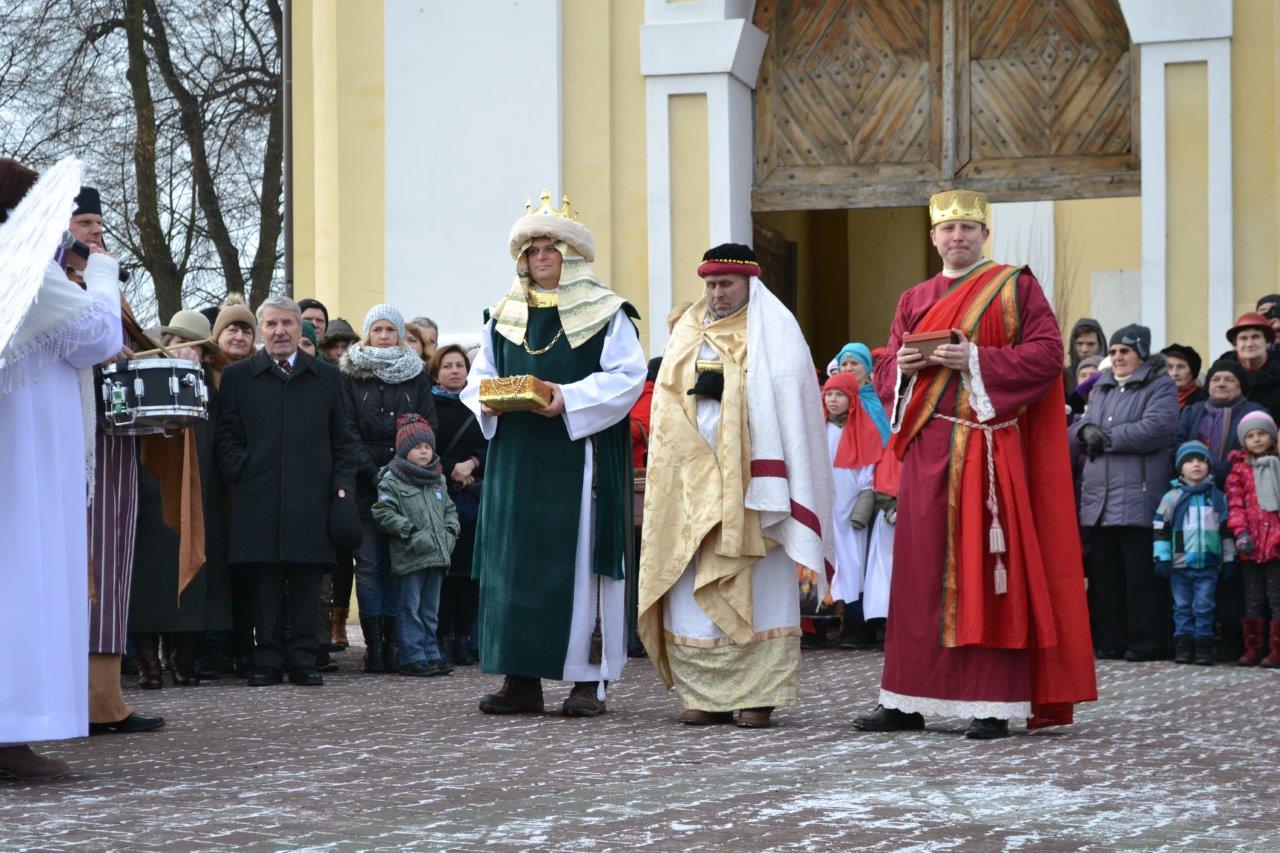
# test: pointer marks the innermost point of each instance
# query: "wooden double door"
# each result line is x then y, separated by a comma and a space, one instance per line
878, 103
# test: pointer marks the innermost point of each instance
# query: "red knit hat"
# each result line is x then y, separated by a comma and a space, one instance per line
411, 430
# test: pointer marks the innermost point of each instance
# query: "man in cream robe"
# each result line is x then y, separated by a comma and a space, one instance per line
738, 495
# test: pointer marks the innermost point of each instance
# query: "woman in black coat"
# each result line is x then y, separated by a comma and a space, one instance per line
462, 450
382, 380
155, 606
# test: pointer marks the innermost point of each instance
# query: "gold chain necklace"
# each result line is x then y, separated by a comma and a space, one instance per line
537, 352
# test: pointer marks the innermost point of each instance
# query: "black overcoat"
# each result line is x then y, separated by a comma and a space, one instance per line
285, 447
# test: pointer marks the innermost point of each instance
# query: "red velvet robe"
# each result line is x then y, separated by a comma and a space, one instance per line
920, 673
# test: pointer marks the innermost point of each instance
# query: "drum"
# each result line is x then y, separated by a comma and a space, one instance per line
153, 395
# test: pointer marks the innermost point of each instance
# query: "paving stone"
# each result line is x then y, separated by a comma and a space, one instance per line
1170, 756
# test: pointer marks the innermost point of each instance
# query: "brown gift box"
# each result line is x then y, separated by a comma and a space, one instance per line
927, 342
515, 393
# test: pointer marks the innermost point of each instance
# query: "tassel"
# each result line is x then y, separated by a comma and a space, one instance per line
1001, 578
996, 538
597, 645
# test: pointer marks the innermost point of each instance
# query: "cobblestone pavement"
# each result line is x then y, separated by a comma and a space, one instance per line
1171, 756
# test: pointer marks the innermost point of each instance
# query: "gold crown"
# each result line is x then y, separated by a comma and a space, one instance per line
957, 204
566, 211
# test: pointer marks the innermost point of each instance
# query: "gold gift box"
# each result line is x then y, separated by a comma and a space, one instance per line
515, 393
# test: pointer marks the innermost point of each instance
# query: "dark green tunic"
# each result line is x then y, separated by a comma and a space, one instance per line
527, 532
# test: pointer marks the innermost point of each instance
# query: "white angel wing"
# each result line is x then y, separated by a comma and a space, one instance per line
28, 239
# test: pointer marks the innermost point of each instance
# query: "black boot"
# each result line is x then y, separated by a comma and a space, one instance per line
462, 655
884, 719
390, 648
1183, 650
851, 634
987, 728
1204, 651
372, 630
519, 694
445, 643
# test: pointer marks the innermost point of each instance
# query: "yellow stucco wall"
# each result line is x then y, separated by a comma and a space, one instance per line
1089, 235
604, 140
1255, 65
338, 155
690, 213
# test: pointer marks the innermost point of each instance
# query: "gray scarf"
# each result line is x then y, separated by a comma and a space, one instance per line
1266, 481
392, 365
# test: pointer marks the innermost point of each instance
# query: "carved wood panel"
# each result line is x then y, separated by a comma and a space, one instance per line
881, 102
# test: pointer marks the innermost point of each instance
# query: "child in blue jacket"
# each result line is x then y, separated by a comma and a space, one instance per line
1192, 547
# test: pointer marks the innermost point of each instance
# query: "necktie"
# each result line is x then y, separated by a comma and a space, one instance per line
286, 366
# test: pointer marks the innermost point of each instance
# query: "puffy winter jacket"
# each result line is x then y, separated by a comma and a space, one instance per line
1122, 486
1191, 420
1244, 513
373, 407
421, 522
1190, 528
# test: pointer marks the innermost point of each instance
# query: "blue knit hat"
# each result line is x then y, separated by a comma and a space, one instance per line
1188, 450
384, 312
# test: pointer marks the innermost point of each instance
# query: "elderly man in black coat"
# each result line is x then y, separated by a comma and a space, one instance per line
284, 445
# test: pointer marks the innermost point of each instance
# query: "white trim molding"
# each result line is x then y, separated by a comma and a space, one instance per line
1167, 32
706, 47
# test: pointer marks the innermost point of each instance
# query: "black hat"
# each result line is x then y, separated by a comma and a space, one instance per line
1269, 299
212, 313
730, 252
1187, 354
304, 304
88, 201
1230, 365
1135, 337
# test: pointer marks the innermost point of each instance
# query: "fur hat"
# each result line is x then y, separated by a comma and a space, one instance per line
234, 313
560, 224
411, 430
1256, 420
386, 312
1188, 450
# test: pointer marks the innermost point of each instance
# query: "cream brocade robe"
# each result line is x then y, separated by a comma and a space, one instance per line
730, 620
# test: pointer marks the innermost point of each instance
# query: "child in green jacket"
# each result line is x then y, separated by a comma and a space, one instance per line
414, 510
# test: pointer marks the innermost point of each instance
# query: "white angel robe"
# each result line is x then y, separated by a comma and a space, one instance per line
851, 545
44, 609
590, 405
875, 588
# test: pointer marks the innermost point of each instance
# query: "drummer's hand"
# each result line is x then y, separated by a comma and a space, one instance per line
488, 412
189, 353
556, 407
125, 354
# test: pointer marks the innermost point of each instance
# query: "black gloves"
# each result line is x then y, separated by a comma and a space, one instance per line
709, 385
1093, 440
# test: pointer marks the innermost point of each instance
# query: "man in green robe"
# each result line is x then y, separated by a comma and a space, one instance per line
554, 517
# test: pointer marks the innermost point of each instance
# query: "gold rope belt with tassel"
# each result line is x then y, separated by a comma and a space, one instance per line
995, 536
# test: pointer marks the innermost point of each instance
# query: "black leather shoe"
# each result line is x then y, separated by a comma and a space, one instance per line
131, 724
884, 719
305, 677
987, 728
418, 669
324, 663
265, 677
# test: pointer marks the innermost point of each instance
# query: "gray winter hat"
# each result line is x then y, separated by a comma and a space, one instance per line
384, 312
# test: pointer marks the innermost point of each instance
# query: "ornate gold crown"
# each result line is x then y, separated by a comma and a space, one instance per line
566, 211
958, 204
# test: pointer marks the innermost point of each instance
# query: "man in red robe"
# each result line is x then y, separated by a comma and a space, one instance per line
987, 613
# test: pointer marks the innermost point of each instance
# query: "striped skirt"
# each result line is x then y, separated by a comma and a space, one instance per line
113, 523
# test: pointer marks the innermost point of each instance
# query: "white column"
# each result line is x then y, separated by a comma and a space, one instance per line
703, 47
468, 140
1167, 32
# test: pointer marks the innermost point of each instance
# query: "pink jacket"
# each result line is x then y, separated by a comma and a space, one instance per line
1243, 512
